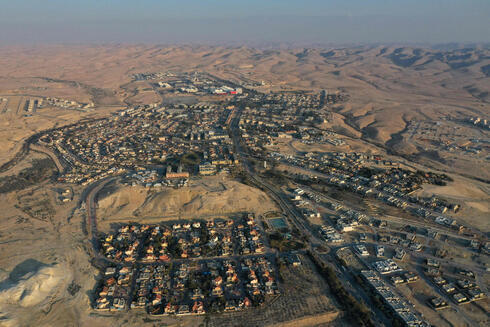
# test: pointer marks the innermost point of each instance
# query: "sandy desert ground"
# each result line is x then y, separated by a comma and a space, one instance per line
204, 198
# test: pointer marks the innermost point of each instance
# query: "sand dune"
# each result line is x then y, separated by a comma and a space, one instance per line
33, 287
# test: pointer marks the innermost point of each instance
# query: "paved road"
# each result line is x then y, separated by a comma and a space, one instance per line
401, 221
453, 305
412, 222
298, 220
90, 205
479, 271
51, 154
18, 110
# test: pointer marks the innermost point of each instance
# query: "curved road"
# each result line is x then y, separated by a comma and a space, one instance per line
91, 221
51, 154
298, 220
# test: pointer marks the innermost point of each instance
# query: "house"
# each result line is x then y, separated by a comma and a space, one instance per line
183, 310
438, 303
464, 283
246, 302
102, 304
169, 308
399, 253
459, 298
362, 250
410, 277
397, 280
439, 280
230, 306
157, 300
197, 294
198, 308
475, 294
119, 303
217, 291
448, 288
294, 260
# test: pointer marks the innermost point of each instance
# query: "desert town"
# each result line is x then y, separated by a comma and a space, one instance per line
299, 163
357, 218
375, 228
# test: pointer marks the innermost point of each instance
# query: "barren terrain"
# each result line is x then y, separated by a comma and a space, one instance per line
208, 197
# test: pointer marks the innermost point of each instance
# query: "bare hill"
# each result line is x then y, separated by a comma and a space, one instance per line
206, 197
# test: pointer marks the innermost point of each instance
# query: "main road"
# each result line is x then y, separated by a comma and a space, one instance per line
298, 220
90, 194
425, 223
50, 153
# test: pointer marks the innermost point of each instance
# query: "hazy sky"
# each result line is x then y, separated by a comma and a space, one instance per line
252, 21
